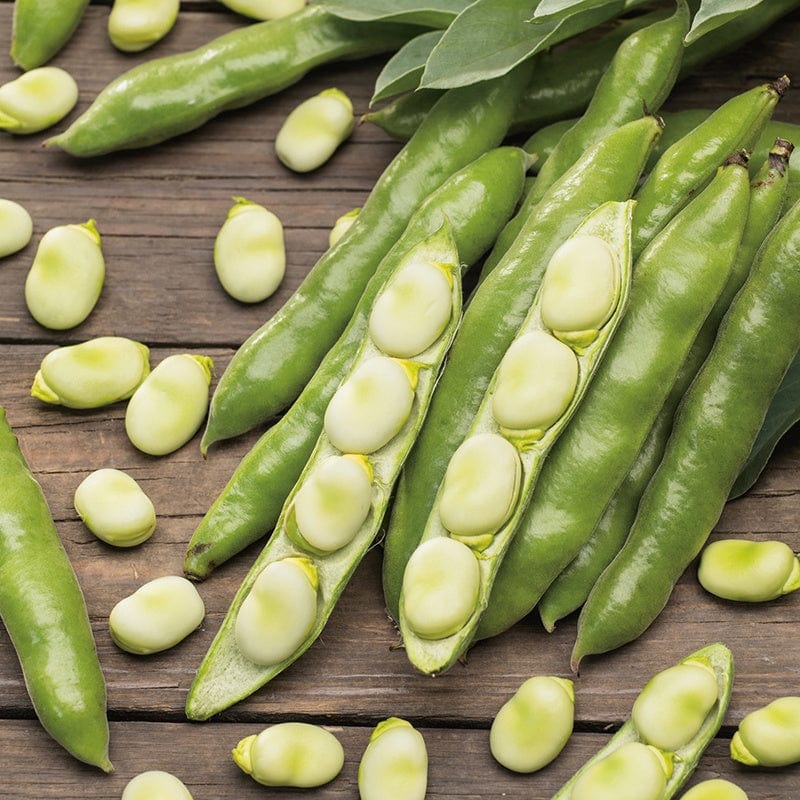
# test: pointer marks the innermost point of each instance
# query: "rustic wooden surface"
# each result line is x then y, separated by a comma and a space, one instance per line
158, 211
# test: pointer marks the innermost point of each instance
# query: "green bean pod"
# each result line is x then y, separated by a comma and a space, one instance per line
682, 761
601, 245
40, 28
714, 429
252, 645
272, 366
44, 613
676, 282
571, 588
640, 76
477, 200
231, 71
608, 171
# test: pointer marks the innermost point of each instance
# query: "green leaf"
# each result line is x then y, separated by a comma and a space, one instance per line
783, 413
714, 13
429, 13
491, 37
564, 8
404, 69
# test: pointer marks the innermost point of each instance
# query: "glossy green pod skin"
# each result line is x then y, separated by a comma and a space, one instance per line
719, 659
477, 200
231, 71
608, 171
272, 366
676, 282
40, 28
228, 673
714, 429
44, 612
571, 588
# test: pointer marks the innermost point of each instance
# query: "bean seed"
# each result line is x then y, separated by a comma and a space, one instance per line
249, 252
265, 9
114, 508
294, 754
36, 100
157, 616
16, 227
769, 736
313, 131
395, 764
278, 613
66, 277
440, 587
342, 225
135, 25
91, 374
715, 789
155, 785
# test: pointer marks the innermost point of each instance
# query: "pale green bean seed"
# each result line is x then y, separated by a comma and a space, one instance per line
313, 131
633, 771
265, 9
342, 225
481, 486
769, 736
331, 505
135, 25
36, 100
440, 587
412, 311
92, 374
249, 252
157, 616
395, 763
672, 707
536, 381
371, 406
294, 754
580, 289
279, 611
531, 728
66, 277
715, 789
114, 508
16, 227
155, 785
168, 407
750, 572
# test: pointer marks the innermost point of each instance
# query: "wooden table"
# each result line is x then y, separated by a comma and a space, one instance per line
158, 211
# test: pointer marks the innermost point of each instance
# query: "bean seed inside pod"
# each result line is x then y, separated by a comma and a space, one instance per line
440, 587
157, 616
36, 100
412, 311
633, 771
580, 288
66, 277
536, 381
16, 227
370, 407
155, 785
294, 754
278, 612
395, 764
769, 736
480, 486
531, 728
342, 225
332, 503
249, 252
114, 508
672, 707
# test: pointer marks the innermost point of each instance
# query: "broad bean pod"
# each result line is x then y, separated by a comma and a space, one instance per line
608, 171
526, 408
571, 588
681, 762
40, 28
270, 369
231, 71
44, 613
477, 200
640, 75
714, 429
676, 282
266, 629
